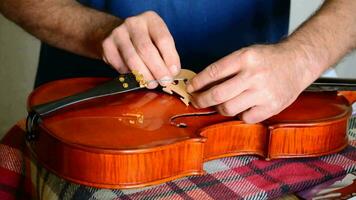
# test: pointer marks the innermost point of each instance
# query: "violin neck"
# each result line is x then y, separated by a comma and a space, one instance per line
333, 84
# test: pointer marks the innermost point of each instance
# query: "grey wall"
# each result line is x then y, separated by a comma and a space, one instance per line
300, 11
18, 61
19, 54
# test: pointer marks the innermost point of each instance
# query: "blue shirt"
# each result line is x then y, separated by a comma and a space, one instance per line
204, 31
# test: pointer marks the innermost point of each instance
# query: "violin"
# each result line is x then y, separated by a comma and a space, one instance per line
114, 133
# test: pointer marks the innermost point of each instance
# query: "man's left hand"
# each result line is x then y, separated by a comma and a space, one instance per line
256, 82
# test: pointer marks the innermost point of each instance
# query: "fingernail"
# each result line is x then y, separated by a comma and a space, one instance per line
166, 80
152, 85
174, 69
105, 60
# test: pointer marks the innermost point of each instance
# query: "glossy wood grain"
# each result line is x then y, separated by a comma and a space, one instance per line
128, 140
114, 169
234, 138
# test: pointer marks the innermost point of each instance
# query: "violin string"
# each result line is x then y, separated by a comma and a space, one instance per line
167, 80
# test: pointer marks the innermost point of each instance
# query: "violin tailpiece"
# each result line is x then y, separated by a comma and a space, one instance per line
139, 78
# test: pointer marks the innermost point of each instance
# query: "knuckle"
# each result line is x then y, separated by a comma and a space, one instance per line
213, 71
164, 40
246, 75
194, 83
260, 77
250, 118
227, 110
131, 21
150, 13
144, 48
198, 102
105, 44
118, 30
250, 56
217, 95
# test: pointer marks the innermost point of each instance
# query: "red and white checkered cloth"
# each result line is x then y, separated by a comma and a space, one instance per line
240, 177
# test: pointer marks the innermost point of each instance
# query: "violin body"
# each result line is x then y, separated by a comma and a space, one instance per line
147, 137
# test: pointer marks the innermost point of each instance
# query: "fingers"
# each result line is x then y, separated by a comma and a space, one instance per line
249, 104
239, 104
130, 56
266, 80
221, 93
221, 69
256, 114
111, 56
164, 42
143, 43
149, 54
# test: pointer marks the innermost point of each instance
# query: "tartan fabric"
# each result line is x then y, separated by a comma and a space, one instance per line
240, 177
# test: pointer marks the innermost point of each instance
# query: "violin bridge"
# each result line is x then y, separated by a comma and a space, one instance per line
178, 86
184, 96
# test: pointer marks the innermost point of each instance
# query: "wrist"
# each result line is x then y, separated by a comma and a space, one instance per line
100, 33
299, 63
310, 61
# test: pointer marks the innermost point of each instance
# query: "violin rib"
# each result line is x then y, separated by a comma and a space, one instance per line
116, 169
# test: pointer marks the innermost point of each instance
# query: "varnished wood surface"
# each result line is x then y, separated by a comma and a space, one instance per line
127, 140
349, 95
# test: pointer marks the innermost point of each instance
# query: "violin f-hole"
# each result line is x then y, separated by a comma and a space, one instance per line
184, 125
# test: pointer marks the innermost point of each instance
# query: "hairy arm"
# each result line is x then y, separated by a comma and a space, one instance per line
65, 24
142, 43
327, 36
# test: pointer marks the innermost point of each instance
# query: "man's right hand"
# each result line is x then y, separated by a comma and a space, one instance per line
143, 43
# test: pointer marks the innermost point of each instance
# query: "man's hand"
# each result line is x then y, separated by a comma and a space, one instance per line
143, 43
258, 81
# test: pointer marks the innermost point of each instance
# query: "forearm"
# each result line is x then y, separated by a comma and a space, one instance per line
327, 36
62, 23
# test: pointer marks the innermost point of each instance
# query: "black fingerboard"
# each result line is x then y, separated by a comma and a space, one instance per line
333, 84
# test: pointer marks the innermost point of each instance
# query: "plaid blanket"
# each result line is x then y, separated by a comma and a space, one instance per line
240, 177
